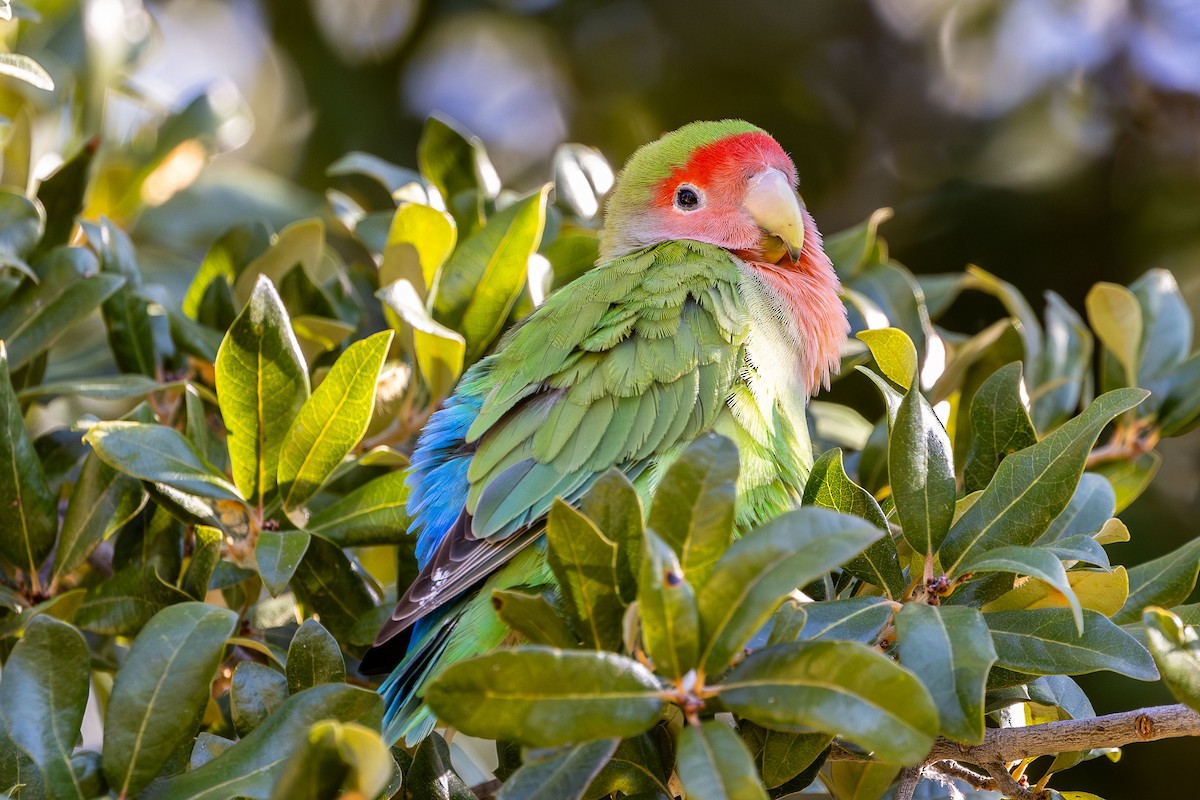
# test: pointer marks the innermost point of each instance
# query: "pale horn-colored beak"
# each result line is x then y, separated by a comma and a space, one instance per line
774, 206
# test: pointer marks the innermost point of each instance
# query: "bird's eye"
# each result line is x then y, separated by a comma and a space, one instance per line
687, 198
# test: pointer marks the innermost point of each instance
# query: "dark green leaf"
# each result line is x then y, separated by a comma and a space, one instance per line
330, 423
1032, 561
856, 619
613, 506
101, 501
693, 505
252, 766
262, 382
298, 245
330, 585
161, 690
921, 469
39, 314
1176, 650
563, 774
1000, 426
667, 604
133, 332
432, 776
534, 617
1166, 324
42, 698
108, 387
21, 224
759, 569
1092, 504
637, 766
837, 687
28, 516
1129, 478
951, 650
255, 692
208, 746
390, 176
1033, 486
1065, 368
205, 555
18, 770
532, 695
1044, 641
373, 513
852, 249
584, 563
1080, 547
715, 765
279, 554
125, 602
313, 658
158, 454
829, 487
453, 160
62, 193
786, 755
1166, 581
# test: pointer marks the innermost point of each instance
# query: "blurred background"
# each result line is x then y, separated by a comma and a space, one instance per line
1055, 143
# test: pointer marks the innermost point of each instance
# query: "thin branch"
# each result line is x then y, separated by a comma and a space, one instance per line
952, 769
909, 778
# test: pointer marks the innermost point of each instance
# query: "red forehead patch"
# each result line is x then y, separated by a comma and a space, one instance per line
725, 160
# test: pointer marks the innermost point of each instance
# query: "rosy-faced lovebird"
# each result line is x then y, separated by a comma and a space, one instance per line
712, 308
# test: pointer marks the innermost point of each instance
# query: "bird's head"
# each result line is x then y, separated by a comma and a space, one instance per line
730, 184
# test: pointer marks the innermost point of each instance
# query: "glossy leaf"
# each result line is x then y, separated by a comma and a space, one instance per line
1166, 335
128, 600
837, 687
613, 506
828, 486
452, 160
531, 695
440, 350
786, 755
534, 617
133, 334
278, 554
313, 658
921, 468
255, 692
667, 605
373, 513
336, 756
330, 423
28, 515
1000, 426
1091, 506
432, 776
855, 619
300, 244
101, 501
1100, 591
1176, 650
861, 781
1045, 641
42, 699
1033, 486
160, 691
252, 766
1032, 561
894, 353
584, 562
1166, 581
762, 567
158, 454
419, 241
563, 774
1064, 371
330, 585
262, 382
950, 649
713, 764
1116, 316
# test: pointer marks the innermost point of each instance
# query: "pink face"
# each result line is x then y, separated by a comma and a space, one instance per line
703, 199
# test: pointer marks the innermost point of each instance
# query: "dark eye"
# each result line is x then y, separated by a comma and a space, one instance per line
687, 198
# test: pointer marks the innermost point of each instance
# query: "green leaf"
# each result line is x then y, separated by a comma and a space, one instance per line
563, 774
1130, 478
534, 617
255, 693
419, 241
1176, 650
1092, 505
108, 387
762, 567
262, 382
132, 332
388, 175
452, 160
21, 224
861, 780
440, 351
28, 515
1033, 486
584, 562
373, 513
613, 506
26, 69
786, 755
432, 776
125, 602
855, 619
1166, 581
158, 454
829, 487
894, 353
226, 258
1064, 373
39, 314
1177, 398
161, 690
852, 249
836, 687
1166, 338
1016, 305
300, 244
252, 766
101, 502
42, 698
1044, 641
279, 554
667, 604
921, 468
1116, 316
330, 585
475, 290
336, 756
533, 695
950, 649
693, 505
1039, 563
313, 658
1000, 426
713, 764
